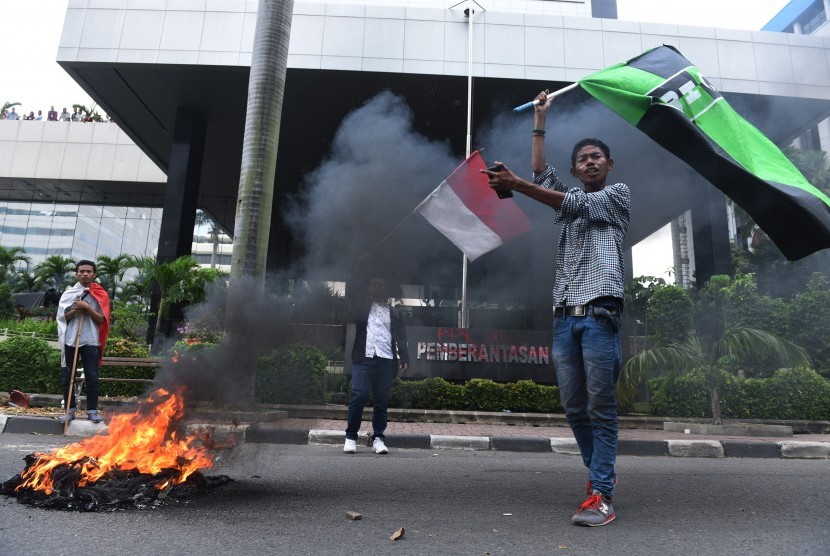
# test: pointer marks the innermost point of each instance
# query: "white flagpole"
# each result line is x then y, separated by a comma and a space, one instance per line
534, 102
464, 314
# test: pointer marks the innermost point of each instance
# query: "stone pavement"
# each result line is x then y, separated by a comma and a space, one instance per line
435, 430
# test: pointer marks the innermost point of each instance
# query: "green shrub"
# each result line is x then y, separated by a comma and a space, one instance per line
679, 396
687, 395
670, 314
122, 347
430, 393
183, 347
45, 327
526, 396
336, 387
291, 374
439, 394
29, 365
792, 394
129, 320
808, 323
486, 395
337, 383
789, 394
476, 395
7, 309
407, 394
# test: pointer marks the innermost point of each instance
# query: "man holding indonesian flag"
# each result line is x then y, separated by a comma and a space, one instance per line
588, 297
83, 326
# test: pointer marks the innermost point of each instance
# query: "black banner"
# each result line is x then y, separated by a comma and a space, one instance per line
465, 353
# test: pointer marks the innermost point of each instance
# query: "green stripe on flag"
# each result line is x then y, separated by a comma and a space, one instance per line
665, 96
622, 89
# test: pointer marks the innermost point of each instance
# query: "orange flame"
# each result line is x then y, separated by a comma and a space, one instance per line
144, 441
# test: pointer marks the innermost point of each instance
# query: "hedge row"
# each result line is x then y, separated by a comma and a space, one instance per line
293, 373
296, 374
789, 394
31, 365
476, 395
125, 348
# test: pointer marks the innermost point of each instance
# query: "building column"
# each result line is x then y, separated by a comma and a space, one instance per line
710, 234
179, 215
183, 177
824, 133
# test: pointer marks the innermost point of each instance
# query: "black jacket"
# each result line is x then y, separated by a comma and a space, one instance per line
359, 315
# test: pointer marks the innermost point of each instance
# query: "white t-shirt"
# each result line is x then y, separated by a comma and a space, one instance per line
379, 332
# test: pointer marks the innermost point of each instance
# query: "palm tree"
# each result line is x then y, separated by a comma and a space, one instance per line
89, 113
710, 355
7, 105
55, 270
112, 270
179, 280
24, 281
203, 219
266, 87
9, 257
140, 288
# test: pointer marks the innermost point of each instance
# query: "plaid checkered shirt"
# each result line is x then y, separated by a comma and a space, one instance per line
590, 259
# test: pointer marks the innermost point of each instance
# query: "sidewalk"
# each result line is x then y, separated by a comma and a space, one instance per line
529, 438
435, 430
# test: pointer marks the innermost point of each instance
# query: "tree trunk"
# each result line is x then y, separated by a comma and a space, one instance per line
214, 238
259, 150
266, 86
716, 411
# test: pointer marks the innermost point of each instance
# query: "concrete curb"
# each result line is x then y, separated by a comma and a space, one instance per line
446, 442
695, 449
272, 433
805, 450
567, 446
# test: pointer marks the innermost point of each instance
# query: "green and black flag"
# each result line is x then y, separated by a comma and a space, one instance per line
664, 95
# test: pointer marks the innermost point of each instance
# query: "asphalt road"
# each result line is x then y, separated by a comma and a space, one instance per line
289, 499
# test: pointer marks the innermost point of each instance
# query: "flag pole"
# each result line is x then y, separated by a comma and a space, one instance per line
534, 102
464, 314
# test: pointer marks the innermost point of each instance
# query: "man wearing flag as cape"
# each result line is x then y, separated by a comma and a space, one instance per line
588, 297
83, 326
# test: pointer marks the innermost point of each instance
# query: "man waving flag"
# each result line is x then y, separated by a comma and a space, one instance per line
665, 96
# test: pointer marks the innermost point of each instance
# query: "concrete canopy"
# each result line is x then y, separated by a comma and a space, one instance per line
143, 100
343, 53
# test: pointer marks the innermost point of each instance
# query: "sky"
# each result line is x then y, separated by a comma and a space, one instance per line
32, 30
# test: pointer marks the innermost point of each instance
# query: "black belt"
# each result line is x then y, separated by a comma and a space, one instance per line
593, 308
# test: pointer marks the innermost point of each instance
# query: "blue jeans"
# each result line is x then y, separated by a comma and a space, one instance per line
88, 359
374, 375
587, 357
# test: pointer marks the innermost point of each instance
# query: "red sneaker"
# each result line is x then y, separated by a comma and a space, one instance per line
597, 510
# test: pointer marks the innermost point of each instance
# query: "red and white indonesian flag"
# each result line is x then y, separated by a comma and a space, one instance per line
469, 213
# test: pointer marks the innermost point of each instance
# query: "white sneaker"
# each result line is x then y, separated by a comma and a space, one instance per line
350, 446
379, 446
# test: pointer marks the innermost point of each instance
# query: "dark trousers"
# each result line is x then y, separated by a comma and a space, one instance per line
88, 359
373, 376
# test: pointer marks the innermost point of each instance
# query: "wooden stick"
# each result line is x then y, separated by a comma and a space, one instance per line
72, 377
